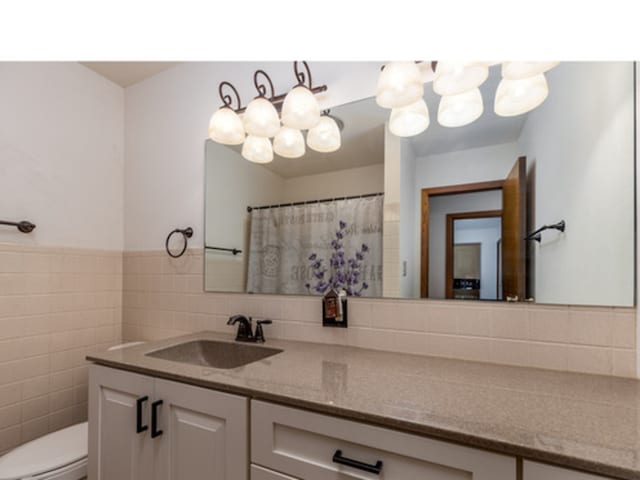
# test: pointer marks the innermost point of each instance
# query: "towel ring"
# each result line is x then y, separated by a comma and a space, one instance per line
186, 234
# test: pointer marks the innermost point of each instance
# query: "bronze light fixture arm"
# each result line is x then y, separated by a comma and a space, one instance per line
303, 78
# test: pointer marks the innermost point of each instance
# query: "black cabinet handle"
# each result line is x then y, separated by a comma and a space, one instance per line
139, 427
154, 419
338, 458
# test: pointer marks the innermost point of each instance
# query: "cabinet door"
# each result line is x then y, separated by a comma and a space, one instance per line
116, 451
204, 434
540, 471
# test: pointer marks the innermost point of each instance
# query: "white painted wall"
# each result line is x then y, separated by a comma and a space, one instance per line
166, 124
234, 183
341, 183
486, 231
61, 155
466, 166
586, 166
439, 207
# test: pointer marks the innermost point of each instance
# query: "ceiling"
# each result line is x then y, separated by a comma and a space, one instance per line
128, 73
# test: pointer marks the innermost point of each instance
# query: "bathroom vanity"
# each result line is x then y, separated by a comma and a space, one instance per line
317, 412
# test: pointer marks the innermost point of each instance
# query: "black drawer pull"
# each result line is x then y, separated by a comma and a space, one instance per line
139, 427
154, 419
338, 458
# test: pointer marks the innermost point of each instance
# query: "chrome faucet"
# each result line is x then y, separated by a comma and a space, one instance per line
245, 331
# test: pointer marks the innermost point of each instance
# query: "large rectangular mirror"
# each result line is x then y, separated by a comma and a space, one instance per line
450, 213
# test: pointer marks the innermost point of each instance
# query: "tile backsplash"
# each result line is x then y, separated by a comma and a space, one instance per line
163, 297
56, 305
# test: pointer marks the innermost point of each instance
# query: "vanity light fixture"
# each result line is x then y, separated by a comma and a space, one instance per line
453, 78
410, 120
261, 117
257, 149
400, 84
289, 143
460, 109
522, 88
325, 137
260, 122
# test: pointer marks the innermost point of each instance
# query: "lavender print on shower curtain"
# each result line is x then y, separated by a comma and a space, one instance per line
283, 239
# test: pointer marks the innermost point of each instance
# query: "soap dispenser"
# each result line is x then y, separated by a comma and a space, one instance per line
334, 309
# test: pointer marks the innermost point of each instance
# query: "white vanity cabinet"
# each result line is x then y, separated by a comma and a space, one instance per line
311, 446
144, 428
540, 471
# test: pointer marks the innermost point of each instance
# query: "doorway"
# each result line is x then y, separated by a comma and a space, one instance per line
513, 229
472, 260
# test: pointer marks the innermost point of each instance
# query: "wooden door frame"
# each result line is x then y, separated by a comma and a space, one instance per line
451, 217
427, 193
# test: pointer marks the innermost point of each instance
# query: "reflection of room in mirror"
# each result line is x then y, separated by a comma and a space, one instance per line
474, 255
579, 154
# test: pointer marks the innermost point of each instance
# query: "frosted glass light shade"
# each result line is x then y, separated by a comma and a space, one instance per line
226, 127
289, 143
324, 137
399, 84
520, 70
261, 118
300, 109
257, 149
461, 109
452, 78
410, 120
515, 97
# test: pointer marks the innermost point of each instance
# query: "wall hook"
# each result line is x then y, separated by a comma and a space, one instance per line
560, 226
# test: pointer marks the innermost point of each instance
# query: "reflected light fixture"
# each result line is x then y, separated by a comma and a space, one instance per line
520, 70
409, 120
515, 97
260, 122
400, 84
257, 149
452, 78
325, 137
289, 143
461, 109
523, 87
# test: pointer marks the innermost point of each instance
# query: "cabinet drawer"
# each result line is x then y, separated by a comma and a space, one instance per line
259, 473
320, 447
540, 471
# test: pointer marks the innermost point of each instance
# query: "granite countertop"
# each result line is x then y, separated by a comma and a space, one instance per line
587, 422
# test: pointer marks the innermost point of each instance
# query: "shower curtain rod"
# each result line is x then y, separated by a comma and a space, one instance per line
309, 202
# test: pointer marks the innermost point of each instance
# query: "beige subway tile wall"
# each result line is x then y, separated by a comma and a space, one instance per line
163, 297
56, 305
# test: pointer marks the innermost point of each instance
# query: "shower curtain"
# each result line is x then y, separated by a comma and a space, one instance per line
308, 249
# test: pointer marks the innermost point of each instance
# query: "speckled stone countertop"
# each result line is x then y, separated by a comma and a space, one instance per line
587, 422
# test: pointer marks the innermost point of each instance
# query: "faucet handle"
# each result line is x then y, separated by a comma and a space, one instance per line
259, 335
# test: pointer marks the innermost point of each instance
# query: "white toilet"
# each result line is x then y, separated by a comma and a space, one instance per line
60, 455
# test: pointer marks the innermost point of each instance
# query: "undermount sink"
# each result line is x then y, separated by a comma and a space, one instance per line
210, 353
